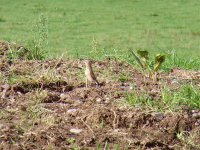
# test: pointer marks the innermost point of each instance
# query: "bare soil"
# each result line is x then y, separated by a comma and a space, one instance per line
45, 105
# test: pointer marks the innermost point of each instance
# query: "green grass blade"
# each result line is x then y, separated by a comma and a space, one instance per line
159, 59
137, 58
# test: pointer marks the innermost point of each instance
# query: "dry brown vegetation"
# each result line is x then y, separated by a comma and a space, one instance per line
45, 105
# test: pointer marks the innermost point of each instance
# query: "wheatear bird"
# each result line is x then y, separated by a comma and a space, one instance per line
89, 73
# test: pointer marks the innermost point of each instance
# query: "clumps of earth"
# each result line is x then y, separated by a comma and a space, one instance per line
45, 105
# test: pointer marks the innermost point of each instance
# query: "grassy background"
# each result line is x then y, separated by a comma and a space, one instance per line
108, 25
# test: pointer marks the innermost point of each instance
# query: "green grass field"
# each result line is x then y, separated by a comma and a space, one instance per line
138, 104
76, 26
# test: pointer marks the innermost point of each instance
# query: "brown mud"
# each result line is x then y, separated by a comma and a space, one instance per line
45, 105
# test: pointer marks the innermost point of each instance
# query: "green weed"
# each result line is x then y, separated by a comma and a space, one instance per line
186, 96
123, 78
142, 58
189, 140
174, 60
16, 52
73, 144
38, 46
134, 99
189, 95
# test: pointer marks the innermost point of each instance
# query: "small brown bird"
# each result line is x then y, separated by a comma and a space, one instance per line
89, 73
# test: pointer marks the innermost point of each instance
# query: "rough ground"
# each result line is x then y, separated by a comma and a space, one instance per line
45, 105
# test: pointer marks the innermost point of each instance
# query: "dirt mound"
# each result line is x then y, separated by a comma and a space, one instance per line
88, 125
4, 46
45, 105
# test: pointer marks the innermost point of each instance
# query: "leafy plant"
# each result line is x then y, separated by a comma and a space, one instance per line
17, 52
189, 141
36, 48
142, 58
38, 45
134, 99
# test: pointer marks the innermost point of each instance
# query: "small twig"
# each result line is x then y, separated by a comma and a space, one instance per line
105, 145
129, 141
88, 127
115, 116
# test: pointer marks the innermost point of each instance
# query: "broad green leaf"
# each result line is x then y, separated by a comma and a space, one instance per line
143, 54
159, 59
